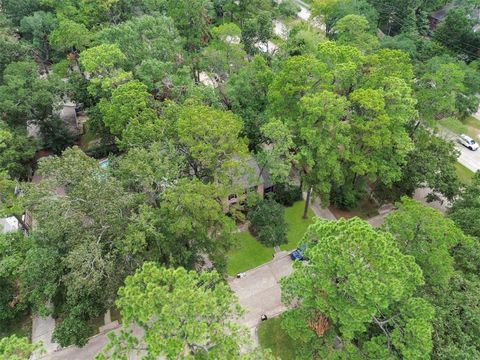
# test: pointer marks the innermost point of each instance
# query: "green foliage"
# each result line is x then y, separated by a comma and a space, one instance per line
15, 348
426, 234
465, 210
16, 152
70, 36
144, 38
87, 225
354, 30
72, 330
338, 300
331, 11
26, 97
288, 8
457, 34
18, 9
36, 28
267, 221
13, 247
210, 140
286, 194
102, 59
188, 223
246, 94
129, 102
224, 55
184, 314
431, 163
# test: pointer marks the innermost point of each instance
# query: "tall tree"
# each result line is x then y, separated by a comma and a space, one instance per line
16, 348
356, 296
426, 234
245, 93
81, 219
457, 34
330, 11
187, 223
184, 315
465, 209
354, 30
37, 28
130, 102
210, 140
143, 38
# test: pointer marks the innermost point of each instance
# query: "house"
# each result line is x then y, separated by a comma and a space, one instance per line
67, 114
252, 179
438, 16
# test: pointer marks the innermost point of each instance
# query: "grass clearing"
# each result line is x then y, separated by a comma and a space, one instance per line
272, 336
247, 253
469, 126
464, 174
297, 225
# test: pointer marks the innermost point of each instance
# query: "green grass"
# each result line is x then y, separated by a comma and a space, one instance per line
454, 125
273, 337
469, 126
464, 174
297, 225
247, 253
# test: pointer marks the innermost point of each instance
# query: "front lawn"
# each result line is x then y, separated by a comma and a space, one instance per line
272, 336
297, 225
464, 174
469, 126
247, 253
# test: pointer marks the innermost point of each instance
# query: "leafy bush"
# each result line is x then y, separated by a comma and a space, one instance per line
348, 197
267, 223
288, 8
286, 194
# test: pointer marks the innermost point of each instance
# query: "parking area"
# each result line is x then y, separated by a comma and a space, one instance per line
259, 290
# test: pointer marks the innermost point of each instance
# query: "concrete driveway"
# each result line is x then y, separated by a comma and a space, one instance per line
259, 291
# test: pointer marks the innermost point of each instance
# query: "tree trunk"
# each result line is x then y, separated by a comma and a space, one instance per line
307, 203
22, 223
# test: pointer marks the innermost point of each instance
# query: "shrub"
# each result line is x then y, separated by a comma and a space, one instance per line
288, 8
267, 223
286, 194
348, 197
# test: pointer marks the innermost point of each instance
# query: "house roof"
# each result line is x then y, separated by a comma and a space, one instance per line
250, 175
442, 13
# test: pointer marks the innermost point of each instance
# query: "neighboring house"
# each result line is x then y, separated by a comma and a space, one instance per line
253, 179
69, 116
438, 16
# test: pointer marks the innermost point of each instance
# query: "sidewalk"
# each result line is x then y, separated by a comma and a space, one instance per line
317, 209
42, 330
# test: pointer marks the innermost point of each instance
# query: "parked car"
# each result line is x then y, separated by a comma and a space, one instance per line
468, 142
298, 253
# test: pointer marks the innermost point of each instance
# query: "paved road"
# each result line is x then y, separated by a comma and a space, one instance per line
468, 158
